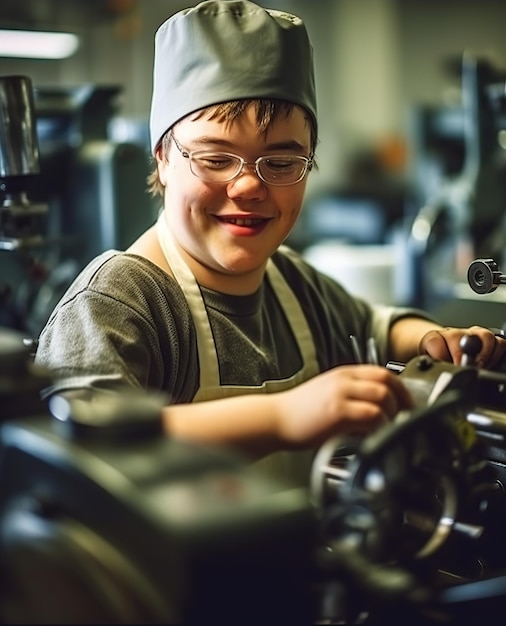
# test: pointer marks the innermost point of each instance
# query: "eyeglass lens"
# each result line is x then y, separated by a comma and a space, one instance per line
220, 167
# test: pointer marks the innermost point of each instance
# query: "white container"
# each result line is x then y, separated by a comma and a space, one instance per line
368, 272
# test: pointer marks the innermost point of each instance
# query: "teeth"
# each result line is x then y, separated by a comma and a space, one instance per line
245, 221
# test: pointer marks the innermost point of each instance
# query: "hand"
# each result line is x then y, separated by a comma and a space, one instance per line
351, 399
444, 345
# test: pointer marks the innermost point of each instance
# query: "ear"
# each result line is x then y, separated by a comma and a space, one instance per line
159, 153
162, 164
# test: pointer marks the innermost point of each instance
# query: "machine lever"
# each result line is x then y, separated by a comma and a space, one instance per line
471, 346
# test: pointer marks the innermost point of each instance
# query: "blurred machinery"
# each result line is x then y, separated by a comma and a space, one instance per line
21, 219
429, 228
68, 192
459, 173
104, 519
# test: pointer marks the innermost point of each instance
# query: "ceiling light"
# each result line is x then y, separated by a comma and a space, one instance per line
37, 44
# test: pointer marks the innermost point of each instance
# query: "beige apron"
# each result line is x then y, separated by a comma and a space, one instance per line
292, 467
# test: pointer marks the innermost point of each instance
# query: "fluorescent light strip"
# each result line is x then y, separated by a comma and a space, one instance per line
37, 44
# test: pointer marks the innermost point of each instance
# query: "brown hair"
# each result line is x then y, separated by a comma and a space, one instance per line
267, 111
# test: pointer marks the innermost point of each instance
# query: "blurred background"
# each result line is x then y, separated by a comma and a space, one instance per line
411, 180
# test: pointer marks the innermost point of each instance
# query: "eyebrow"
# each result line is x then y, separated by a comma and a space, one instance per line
290, 145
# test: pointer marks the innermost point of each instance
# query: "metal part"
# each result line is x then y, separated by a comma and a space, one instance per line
19, 152
424, 494
483, 276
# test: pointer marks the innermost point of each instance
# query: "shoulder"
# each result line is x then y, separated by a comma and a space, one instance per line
115, 273
114, 265
118, 280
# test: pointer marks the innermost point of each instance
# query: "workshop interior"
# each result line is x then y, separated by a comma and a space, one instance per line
105, 520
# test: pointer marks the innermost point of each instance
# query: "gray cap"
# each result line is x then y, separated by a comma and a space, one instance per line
223, 50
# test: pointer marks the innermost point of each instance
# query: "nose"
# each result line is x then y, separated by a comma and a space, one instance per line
247, 183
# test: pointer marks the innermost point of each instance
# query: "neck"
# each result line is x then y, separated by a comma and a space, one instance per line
233, 284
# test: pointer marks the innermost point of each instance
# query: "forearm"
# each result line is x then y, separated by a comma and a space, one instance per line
405, 336
247, 423
346, 399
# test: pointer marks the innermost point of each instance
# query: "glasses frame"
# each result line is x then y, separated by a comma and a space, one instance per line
190, 155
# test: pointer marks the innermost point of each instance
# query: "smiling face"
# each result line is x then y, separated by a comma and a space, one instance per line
226, 232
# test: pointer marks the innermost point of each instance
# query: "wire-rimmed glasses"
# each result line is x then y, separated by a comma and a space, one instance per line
222, 167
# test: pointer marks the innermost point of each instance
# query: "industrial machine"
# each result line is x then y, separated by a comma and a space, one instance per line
458, 164
413, 517
69, 189
104, 519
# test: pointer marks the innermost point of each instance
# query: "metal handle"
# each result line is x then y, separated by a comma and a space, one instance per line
19, 152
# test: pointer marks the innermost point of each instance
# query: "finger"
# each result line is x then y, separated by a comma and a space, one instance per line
491, 349
499, 351
378, 398
361, 417
435, 345
446, 344
382, 386
388, 396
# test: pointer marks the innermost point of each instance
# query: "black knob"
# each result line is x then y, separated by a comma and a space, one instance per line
483, 276
471, 346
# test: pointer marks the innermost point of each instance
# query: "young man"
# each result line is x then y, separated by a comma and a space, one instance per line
251, 344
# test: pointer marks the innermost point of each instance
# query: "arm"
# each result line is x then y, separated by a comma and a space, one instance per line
406, 335
347, 399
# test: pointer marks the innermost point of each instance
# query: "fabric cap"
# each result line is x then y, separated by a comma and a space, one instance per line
223, 50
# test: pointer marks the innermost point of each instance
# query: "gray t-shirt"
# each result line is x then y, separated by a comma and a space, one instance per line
124, 321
